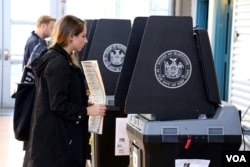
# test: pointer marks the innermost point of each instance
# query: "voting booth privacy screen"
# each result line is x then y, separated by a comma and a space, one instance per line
107, 45
168, 87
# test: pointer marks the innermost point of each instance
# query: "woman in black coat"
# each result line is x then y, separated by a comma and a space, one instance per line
59, 128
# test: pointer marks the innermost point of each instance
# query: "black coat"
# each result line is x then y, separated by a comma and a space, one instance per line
59, 128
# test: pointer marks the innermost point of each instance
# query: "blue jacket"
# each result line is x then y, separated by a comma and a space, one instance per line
39, 50
32, 41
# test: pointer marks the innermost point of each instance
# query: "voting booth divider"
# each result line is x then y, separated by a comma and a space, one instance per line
168, 87
108, 44
159, 74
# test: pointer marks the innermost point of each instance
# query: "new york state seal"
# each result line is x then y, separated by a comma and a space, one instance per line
114, 56
173, 69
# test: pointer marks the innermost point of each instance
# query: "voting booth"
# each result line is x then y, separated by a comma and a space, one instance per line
108, 47
168, 87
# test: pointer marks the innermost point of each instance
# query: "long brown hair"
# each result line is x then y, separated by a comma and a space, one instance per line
65, 28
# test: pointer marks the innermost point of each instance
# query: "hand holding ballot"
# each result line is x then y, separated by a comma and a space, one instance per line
97, 95
97, 109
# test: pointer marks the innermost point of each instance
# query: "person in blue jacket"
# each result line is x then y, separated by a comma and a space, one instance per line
59, 135
44, 27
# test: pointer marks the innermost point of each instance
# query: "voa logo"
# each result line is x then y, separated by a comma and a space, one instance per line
236, 158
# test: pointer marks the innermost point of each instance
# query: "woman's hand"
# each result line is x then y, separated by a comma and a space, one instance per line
96, 109
90, 103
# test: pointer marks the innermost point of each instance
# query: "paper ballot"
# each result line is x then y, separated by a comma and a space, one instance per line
97, 92
192, 163
121, 137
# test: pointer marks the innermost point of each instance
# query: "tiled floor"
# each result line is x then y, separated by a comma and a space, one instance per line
11, 153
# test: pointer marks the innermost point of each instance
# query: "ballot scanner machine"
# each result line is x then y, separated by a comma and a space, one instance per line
168, 87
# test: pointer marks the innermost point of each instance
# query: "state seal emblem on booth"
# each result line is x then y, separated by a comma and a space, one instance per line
173, 69
113, 57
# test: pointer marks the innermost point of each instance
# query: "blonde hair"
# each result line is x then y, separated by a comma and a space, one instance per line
65, 28
44, 19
